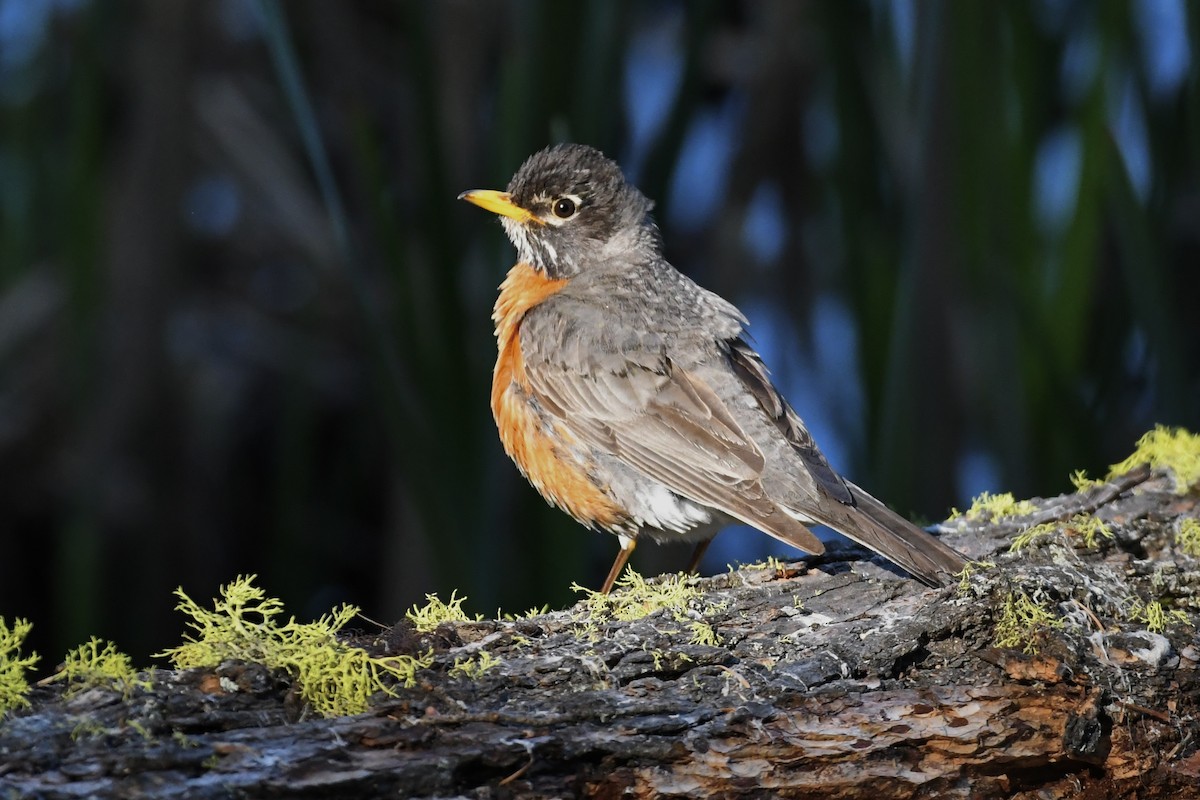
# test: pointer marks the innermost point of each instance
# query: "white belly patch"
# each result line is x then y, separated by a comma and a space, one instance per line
657, 507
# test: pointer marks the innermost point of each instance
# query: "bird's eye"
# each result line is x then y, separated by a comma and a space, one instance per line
564, 208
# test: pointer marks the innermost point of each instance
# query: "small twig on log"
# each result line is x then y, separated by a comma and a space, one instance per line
1161, 716
1092, 500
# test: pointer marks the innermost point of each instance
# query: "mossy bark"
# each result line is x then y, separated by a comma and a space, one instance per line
836, 679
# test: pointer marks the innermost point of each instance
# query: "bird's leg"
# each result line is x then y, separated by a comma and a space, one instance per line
627, 545
693, 566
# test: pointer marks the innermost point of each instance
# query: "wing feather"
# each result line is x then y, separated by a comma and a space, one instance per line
753, 373
668, 424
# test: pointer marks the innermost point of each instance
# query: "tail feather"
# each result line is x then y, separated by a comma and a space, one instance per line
876, 527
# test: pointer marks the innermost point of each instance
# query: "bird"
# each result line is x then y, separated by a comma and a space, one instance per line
632, 398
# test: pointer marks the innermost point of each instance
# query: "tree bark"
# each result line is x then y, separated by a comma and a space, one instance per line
834, 679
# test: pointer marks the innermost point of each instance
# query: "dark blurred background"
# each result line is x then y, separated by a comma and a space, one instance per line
244, 325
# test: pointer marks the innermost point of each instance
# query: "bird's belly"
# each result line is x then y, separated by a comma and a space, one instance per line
549, 458
665, 516
593, 487
654, 509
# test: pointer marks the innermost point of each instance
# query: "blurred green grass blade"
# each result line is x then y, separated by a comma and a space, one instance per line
283, 54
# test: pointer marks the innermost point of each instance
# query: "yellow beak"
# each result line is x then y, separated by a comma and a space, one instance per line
498, 203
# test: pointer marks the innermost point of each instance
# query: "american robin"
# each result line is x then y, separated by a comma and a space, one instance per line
630, 397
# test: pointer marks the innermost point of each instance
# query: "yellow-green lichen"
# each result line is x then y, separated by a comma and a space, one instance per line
139, 728
1082, 482
777, 566
87, 728
98, 663
473, 666
13, 685
968, 571
1030, 535
771, 563
1154, 616
989, 506
183, 740
1022, 621
1187, 536
639, 598
1173, 449
704, 634
1089, 527
426, 618
334, 678
530, 614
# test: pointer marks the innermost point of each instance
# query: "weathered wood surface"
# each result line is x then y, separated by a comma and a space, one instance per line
839, 680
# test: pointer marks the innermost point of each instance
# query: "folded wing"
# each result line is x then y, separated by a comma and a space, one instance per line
665, 422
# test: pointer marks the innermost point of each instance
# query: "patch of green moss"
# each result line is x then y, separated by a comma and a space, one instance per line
98, 663
426, 618
1089, 528
1082, 482
704, 634
87, 728
1022, 622
1030, 535
183, 740
989, 506
968, 571
1155, 616
1173, 449
473, 666
1187, 536
635, 597
334, 678
140, 729
530, 614
13, 685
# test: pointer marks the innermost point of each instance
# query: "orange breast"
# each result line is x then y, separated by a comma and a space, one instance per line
541, 448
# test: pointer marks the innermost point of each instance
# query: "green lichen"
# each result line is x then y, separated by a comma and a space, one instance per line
1022, 623
334, 678
968, 571
704, 634
98, 664
426, 618
139, 728
1173, 449
183, 740
13, 685
770, 564
1187, 536
636, 598
1089, 528
530, 614
1082, 482
87, 728
1030, 535
1154, 615
639, 598
989, 506
473, 666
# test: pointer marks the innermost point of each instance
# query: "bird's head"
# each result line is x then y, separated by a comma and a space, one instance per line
569, 207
